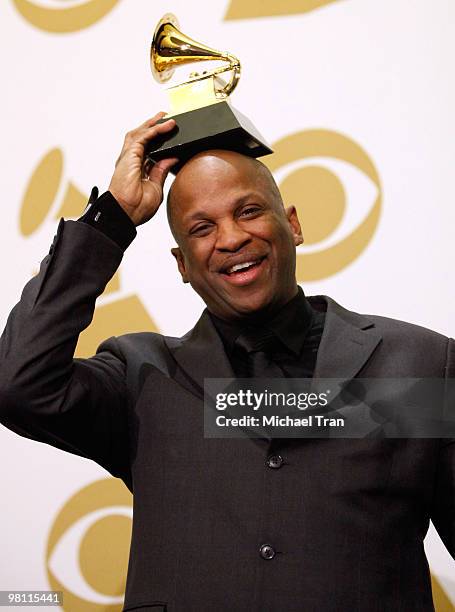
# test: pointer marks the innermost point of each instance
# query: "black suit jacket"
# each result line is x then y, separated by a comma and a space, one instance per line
346, 518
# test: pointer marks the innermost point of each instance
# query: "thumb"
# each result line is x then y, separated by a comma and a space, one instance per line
160, 170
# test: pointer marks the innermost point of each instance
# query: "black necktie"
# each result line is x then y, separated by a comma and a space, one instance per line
254, 354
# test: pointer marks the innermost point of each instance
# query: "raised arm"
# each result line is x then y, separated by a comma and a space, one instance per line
78, 405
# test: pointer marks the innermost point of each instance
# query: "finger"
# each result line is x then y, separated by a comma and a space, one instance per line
134, 135
160, 170
147, 134
153, 120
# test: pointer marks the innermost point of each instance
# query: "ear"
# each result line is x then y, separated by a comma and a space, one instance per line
293, 220
177, 253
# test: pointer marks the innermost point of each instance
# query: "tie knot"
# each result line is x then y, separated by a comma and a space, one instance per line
257, 340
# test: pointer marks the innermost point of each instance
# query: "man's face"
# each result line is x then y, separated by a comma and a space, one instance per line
236, 240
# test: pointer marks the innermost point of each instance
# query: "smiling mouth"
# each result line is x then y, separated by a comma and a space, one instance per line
243, 267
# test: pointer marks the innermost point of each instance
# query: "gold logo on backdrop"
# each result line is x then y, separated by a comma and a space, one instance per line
441, 600
88, 545
321, 199
239, 9
72, 16
47, 198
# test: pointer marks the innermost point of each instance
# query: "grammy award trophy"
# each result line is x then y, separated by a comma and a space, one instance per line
200, 105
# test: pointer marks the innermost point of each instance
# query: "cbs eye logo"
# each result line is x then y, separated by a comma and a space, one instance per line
336, 190
71, 16
88, 545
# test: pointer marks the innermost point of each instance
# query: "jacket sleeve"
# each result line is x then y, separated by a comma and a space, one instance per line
443, 511
78, 405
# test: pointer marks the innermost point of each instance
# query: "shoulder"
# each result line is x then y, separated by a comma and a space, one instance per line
139, 353
143, 344
385, 325
404, 329
402, 343
410, 338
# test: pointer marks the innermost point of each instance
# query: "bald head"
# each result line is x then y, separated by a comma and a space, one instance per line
211, 170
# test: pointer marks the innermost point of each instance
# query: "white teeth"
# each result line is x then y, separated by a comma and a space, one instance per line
240, 266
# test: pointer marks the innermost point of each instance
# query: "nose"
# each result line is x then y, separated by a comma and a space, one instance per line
231, 237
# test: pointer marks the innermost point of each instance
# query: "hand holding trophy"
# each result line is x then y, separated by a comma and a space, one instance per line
200, 106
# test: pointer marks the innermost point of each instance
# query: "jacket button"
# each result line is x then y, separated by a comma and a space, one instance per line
274, 461
267, 552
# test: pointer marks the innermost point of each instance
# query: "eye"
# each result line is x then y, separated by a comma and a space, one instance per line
337, 194
88, 547
250, 211
201, 230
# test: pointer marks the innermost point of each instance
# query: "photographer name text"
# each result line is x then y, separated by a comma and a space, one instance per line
313, 420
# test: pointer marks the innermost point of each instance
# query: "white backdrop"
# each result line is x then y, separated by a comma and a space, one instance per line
357, 96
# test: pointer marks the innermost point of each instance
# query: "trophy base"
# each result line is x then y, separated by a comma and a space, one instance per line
217, 126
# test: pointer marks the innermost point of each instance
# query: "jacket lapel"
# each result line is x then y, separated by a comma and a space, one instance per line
200, 353
347, 342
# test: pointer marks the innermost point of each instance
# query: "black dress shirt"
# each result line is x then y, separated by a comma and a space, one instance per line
106, 215
297, 328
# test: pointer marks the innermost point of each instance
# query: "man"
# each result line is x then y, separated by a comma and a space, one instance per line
235, 525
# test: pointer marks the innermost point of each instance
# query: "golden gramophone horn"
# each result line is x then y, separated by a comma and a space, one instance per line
171, 48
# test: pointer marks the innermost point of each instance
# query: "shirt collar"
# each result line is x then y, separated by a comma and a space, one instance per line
290, 324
